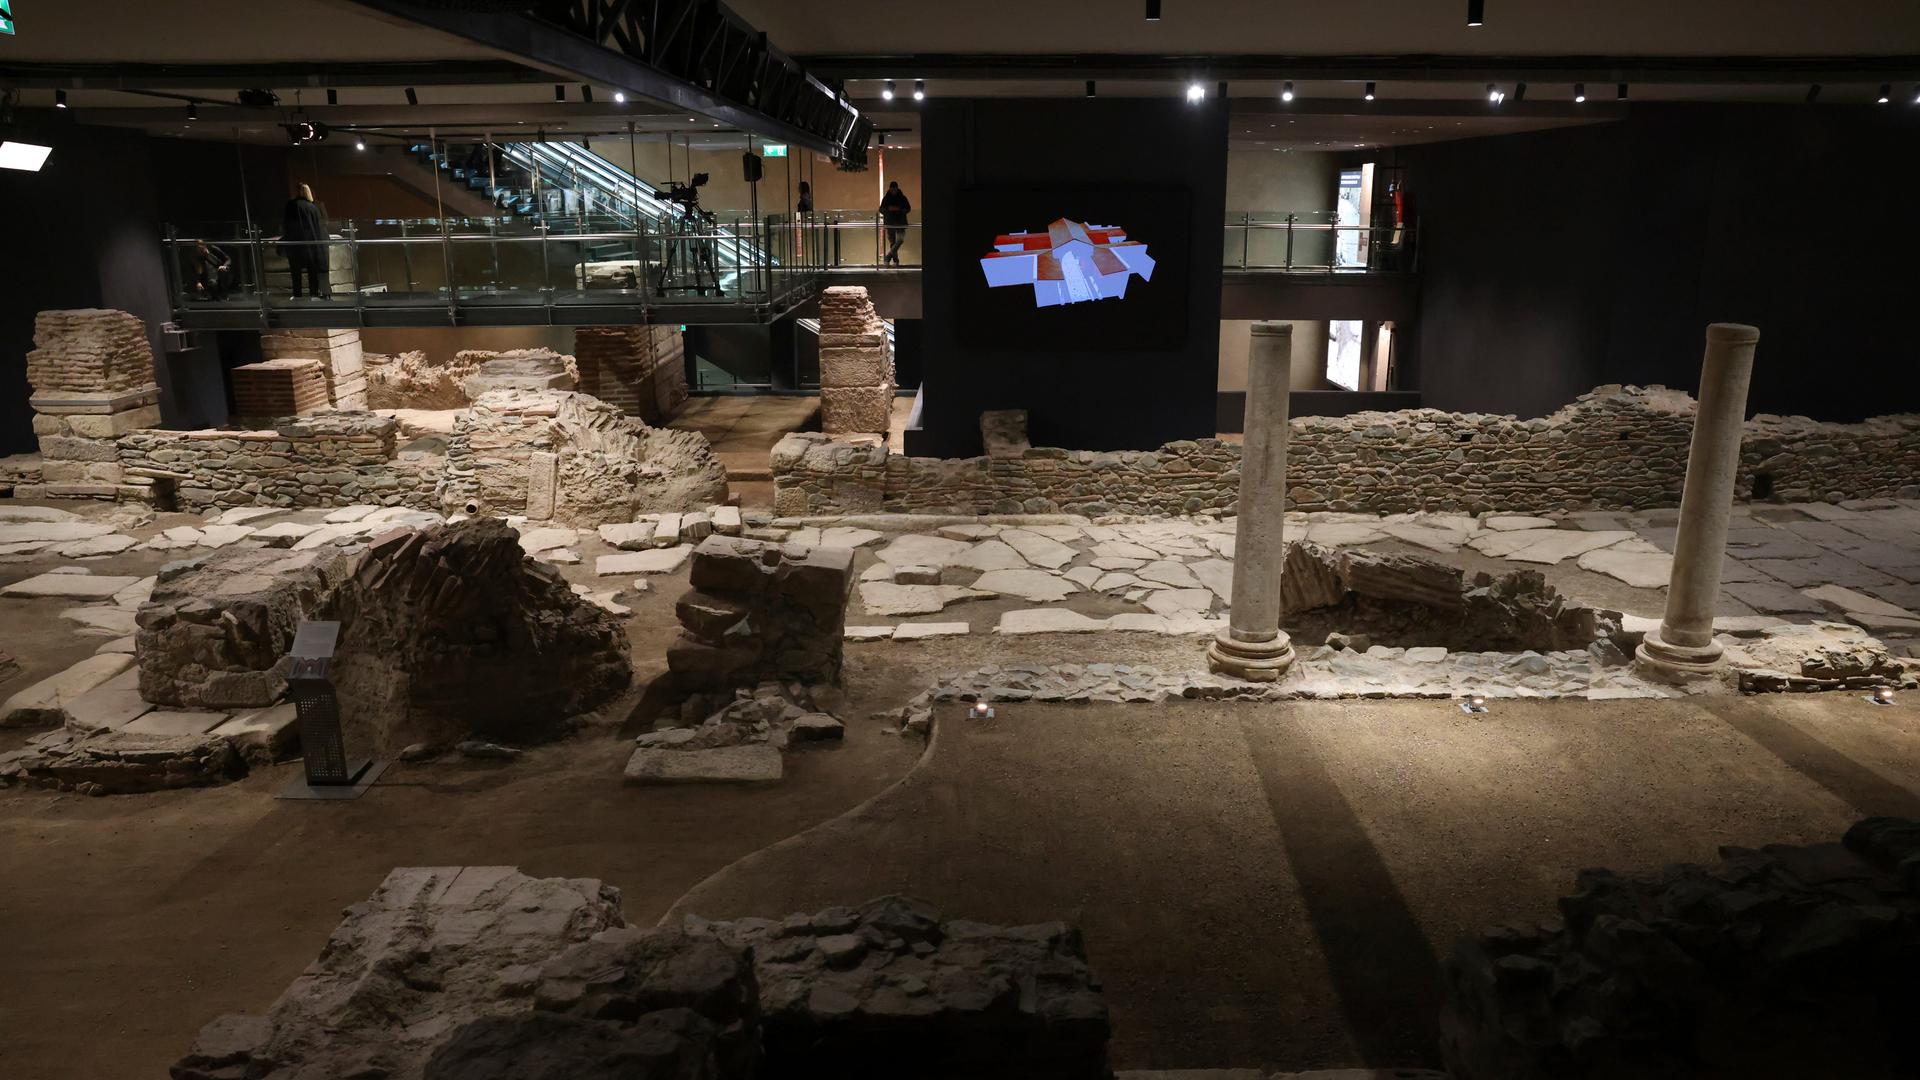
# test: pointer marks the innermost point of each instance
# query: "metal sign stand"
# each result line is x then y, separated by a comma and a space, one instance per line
330, 774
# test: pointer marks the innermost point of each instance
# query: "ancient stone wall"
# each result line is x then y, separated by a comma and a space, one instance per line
341, 360
1615, 448
761, 611
559, 456
639, 369
92, 376
856, 364
329, 459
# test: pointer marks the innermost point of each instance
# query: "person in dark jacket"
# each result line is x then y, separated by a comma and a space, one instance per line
303, 240
894, 209
804, 205
212, 271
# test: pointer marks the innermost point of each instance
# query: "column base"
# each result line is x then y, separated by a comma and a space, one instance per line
1669, 663
1254, 661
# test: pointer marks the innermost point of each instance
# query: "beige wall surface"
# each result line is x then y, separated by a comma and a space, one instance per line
1309, 354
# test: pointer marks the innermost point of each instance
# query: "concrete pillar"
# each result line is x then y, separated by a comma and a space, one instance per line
1253, 646
1683, 646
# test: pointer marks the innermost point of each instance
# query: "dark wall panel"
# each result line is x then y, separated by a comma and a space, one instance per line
1554, 261
1090, 399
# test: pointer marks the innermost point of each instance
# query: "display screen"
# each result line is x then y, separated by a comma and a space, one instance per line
1073, 270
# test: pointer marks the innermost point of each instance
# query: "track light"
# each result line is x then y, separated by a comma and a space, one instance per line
1813, 93
1153, 10
59, 99
586, 143
1494, 95
1916, 94
1195, 92
886, 90
1369, 94
1476, 12
586, 93
1519, 92
620, 97
359, 144
193, 111
919, 89
1621, 93
1286, 92
1579, 92
333, 96
1221, 90
1886, 93
559, 92
412, 98
1089, 87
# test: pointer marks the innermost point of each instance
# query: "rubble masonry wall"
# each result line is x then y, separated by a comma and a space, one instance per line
1615, 448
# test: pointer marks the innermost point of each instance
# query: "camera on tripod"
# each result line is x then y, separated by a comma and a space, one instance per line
687, 194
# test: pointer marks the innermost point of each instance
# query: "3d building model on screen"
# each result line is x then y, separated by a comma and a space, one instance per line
1068, 263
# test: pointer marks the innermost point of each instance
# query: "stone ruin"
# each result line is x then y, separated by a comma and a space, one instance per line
856, 364
446, 631
573, 460
216, 630
337, 354
1781, 961
640, 370
452, 630
407, 381
93, 382
515, 369
451, 973
761, 612
1409, 601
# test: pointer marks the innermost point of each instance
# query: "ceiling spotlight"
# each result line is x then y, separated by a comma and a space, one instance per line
1621, 93
359, 144
1286, 92
886, 90
1882, 695
1089, 87
1813, 93
1493, 93
586, 93
59, 99
412, 98
1369, 94
620, 97
1476, 12
1519, 92
559, 92
1579, 92
1195, 92
1886, 93
1474, 703
919, 89
333, 96
1153, 10
586, 143
193, 111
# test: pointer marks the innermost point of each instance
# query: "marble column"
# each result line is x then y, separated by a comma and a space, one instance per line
1683, 646
1253, 646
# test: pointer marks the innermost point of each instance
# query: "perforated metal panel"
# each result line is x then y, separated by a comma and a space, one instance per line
321, 745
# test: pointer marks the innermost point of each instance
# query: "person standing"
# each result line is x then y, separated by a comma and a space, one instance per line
804, 203
303, 240
894, 209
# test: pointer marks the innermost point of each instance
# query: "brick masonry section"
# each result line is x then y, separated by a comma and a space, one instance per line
342, 361
92, 376
856, 364
273, 388
641, 370
1615, 448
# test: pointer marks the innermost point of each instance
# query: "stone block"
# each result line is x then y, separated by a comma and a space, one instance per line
543, 472
843, 367
264, 736
749, 764
46, 701
848, 410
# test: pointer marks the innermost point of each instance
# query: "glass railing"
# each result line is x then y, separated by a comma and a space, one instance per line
1313, 242
506, 261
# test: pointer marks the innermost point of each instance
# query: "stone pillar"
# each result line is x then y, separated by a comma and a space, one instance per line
91, 371
1683, 646
856, 365
1253, 646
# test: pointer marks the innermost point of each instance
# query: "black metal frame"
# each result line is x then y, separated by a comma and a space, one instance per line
693, 54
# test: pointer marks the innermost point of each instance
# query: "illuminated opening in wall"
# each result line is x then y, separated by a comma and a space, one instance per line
1069, 263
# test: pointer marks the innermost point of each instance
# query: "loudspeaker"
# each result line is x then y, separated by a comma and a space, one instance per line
750, 167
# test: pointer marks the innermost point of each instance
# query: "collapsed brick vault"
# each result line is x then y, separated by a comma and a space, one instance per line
523, 442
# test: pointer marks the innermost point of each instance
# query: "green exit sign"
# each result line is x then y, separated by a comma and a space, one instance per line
6, 16
772, 149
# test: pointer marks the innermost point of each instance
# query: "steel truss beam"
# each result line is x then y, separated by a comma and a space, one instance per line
83, 76
691, 54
